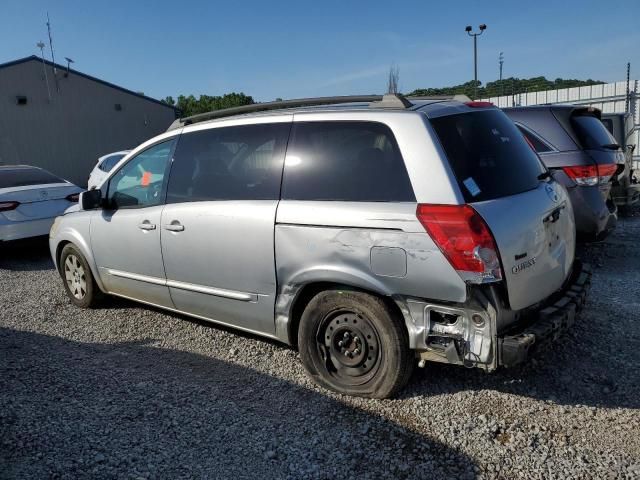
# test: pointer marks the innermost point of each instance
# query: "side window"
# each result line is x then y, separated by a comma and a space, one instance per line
110, 162
608, 123
139, 183
350, 161
229, 163
538, 145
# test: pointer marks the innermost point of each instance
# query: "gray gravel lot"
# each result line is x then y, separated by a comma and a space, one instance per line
131, 392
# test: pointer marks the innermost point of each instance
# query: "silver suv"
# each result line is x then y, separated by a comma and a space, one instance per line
374, 234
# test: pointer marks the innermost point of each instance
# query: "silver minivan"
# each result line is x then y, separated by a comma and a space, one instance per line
373, 233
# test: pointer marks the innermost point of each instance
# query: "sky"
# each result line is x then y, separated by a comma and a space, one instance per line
292, 49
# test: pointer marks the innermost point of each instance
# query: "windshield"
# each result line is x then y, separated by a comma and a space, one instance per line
24, 176
592, 133
488, 154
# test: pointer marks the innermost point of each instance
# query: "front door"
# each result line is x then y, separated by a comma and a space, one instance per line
125, 236
217, 229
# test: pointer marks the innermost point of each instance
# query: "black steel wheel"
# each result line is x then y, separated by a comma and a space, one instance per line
351, 342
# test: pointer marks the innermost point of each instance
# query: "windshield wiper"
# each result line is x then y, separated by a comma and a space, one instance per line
611, 146
544, 175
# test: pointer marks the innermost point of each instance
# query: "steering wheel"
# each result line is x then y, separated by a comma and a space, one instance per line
152, 192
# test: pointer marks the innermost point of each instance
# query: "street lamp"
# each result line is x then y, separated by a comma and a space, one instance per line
475, 36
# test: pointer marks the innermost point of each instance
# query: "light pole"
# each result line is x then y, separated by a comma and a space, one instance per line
475, 36
501, 61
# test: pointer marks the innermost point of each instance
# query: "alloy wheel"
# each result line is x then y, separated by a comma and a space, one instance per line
75, 276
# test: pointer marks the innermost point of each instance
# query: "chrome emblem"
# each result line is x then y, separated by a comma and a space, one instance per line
523, 266
551, 193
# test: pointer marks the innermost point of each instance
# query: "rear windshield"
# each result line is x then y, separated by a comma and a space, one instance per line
22, 177
591, 132
488, 154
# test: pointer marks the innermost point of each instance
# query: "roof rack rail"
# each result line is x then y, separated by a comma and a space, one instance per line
375, 101
457, 97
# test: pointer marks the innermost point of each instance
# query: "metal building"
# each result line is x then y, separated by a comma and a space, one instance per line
62, 120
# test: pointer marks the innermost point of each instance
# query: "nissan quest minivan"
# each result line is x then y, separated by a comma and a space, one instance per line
373, 233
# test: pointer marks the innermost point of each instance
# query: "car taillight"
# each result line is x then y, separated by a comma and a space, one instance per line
74, 197
6, 206
589, 175
465, 240
605, 172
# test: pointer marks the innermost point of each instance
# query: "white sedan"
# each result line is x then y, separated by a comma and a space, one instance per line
103, 167
30, 199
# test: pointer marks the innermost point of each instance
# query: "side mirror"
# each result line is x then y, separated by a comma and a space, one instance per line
91, 199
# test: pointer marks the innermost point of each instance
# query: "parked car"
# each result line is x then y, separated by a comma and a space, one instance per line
30, 198
581, 155
626, 189
373, 235
103, 167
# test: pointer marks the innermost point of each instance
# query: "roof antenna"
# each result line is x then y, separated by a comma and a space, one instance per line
69, 62
40, 45
53, 59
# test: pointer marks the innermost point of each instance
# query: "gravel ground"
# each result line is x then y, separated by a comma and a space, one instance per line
131, 392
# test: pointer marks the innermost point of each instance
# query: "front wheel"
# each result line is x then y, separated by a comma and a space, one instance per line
79, 283
353, 343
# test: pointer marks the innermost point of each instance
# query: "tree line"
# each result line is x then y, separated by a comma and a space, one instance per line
507, 86
190, 105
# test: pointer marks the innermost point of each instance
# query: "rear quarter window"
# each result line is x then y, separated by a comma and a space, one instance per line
345, 161
488, 154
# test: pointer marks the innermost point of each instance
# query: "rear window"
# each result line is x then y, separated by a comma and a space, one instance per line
349, 161
22, 177
591, 132
488, 154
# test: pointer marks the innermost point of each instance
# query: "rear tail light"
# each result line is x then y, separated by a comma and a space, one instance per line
465, 240
6, 206
605, 172
589, 175
74, 197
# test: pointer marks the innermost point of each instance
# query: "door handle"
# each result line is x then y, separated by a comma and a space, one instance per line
174, 227
146, 226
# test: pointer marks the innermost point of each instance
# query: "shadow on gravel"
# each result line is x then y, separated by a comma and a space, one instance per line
27, 255
572, 372
70, 409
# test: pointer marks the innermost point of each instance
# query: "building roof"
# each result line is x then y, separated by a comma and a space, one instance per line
84, 75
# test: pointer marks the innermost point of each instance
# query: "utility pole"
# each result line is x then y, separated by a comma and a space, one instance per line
53, 58
475, 36
626, 103
501, 61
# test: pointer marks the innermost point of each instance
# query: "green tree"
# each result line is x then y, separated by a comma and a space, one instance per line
507, 86
190, 105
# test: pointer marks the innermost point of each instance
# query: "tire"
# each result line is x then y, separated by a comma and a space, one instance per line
352, 343
78, 280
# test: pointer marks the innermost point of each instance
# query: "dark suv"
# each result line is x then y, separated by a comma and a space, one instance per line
581, 154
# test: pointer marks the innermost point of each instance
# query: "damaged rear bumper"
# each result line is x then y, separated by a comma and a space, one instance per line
549, 323
486, 334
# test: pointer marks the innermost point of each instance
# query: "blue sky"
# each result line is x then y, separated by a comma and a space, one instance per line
291, 49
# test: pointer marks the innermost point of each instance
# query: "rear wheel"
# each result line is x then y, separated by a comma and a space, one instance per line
79, 283
353, 343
